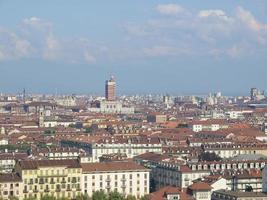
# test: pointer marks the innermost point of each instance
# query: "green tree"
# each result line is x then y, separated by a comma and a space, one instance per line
248, 188
82, 197
13, 198
207, 156
48, 197
146, 197
88, 130
30, 198
99, 195
130, 197
115, 196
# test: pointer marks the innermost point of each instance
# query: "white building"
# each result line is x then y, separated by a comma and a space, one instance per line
112, 107
131, 147
124, 177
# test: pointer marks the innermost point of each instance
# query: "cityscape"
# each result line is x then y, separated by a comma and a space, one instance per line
133, 100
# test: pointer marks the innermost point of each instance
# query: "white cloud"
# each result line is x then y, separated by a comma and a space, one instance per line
213, 13
12, 46
164, 51
249, 20
89, 58
170, 9
35, 38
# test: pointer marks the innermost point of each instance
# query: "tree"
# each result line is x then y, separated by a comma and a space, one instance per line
82, 197
99, 195
115, 196
248, 188
13, 198
146, 197
130, 197
207, 156
30, 198
47, 197
88, 130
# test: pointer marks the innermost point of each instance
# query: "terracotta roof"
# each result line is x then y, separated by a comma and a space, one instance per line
112, 166
10, 178
35, 164
200, 186
162, 193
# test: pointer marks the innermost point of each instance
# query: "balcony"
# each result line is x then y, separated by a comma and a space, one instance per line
108, 186
58, 190
25, 191
35, 191
46, 190
108, 180
123, 179
123, 186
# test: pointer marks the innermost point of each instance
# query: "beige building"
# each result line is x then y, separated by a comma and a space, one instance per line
226, 195
127, 178
59, 178
10, 186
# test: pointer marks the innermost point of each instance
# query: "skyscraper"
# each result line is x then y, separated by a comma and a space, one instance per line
110, 89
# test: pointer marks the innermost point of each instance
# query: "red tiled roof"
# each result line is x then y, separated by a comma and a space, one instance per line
200, 186
112, 166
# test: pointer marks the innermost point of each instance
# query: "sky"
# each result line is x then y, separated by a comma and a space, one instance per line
150, 46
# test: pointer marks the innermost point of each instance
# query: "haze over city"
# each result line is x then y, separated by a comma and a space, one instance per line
176, 47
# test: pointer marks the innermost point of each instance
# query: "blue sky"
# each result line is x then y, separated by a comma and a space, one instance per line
150, 46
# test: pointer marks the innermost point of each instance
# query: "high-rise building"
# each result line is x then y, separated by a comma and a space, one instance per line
253, 93
110, 89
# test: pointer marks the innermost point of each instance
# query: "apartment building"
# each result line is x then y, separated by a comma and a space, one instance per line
244, 180
59, 178
129, 146
237, 195
231, 150
127, 178
10, 186
8, 161
208, 125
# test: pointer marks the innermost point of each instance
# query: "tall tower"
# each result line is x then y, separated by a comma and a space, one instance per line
110, 89
41, 117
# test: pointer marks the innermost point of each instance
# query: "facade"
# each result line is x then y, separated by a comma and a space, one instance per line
8, 161
110, 89
200, 191
130, 147
125, 177
244, 180
10, 186
112, 107
59, 178
226, 195
232, 150
157, 118
264, 179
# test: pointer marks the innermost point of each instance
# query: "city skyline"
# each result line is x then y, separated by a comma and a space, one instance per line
158, 46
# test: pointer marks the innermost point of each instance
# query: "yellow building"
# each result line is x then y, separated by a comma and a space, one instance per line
59, 178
